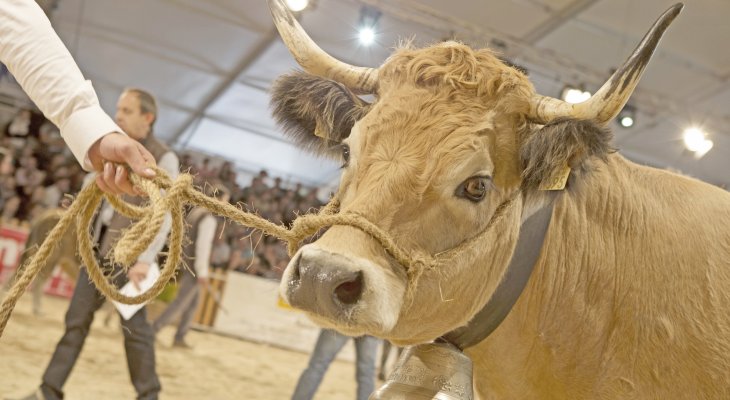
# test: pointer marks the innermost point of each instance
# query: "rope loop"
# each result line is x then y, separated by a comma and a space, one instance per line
150, 218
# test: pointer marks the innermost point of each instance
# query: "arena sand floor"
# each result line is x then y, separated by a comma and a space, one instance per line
216, 368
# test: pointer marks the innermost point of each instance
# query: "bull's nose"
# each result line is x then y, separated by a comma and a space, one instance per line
349, 291
324, 283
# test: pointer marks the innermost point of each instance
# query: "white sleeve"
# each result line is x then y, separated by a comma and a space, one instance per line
43, 66
204, 245
171, 164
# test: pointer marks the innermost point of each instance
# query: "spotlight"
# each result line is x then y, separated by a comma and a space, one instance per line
366, 35
297, 5
575, 95
627, 116
368, 25
704, 148
695, 139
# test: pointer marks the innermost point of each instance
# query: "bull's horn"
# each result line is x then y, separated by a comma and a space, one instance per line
603, 106
315, 60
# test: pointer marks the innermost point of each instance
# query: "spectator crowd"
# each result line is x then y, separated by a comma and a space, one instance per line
242, 249
36, 168
37, 172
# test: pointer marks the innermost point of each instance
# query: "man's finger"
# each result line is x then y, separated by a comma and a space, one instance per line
108, 176
121, 180
102, 185
139, 159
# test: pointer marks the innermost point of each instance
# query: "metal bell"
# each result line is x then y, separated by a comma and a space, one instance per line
438, 371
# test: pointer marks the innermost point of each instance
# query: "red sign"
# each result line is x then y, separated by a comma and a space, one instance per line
12, 245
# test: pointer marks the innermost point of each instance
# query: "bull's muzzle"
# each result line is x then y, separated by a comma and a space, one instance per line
324, 283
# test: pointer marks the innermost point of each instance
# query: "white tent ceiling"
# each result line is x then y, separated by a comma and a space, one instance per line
210, 63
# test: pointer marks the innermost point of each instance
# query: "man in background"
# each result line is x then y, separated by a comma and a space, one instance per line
136, 114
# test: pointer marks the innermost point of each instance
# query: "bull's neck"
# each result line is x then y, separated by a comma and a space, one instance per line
525, 256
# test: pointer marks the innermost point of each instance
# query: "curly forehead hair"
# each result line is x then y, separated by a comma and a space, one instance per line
453, 66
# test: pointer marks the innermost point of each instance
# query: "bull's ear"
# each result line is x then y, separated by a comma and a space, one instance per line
563, 142
316, 112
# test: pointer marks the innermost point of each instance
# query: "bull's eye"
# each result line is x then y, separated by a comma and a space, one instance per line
345, 155
474, 188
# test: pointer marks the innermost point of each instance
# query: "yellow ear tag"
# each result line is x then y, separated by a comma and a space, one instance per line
318, 132
558, 180
281, 303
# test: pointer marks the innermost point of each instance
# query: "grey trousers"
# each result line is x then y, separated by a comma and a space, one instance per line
186, 302
329, 343
138, 342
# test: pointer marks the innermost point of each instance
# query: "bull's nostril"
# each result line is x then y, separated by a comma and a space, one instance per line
296, 273
349, 292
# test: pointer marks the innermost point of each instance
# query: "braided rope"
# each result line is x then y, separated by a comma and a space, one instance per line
150, 218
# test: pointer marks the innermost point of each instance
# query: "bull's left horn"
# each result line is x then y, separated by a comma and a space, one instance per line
315, 60
603, 106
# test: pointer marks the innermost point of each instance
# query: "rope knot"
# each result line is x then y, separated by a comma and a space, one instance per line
141, 234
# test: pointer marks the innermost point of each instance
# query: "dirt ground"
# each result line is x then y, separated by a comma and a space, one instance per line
216, 368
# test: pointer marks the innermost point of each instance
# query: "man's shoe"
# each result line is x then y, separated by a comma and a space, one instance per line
181, 344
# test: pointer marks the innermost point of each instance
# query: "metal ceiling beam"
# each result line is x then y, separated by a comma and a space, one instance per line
137, 43
228, 15
229, 80
557, 20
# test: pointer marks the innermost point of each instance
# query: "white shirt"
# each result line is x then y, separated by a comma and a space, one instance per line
39, 61
204, 245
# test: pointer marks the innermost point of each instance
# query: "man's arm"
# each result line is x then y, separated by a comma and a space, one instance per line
43, 66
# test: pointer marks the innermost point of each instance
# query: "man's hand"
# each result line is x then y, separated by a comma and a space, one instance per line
108, 156
137, 273
203, 281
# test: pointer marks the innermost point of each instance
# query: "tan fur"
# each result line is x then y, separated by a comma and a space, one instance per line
629, 299
630, 296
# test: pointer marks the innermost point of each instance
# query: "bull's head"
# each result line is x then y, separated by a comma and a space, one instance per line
454, 136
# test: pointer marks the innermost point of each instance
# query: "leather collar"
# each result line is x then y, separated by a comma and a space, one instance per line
527, 251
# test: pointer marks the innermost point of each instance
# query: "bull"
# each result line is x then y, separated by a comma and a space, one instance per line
629, 291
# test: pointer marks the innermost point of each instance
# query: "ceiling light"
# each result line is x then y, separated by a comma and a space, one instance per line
704, 148
693, 138
366, 35
575, 95
297, 5
627, 116
368, 25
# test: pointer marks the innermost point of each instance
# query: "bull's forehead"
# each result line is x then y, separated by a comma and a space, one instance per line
409, 118
409, 145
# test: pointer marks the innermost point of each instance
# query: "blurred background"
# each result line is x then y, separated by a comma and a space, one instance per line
211, 64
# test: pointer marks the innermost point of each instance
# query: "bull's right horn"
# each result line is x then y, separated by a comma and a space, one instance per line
603, 106
315, 60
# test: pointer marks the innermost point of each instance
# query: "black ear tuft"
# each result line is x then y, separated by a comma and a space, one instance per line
562, 142
317, 113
